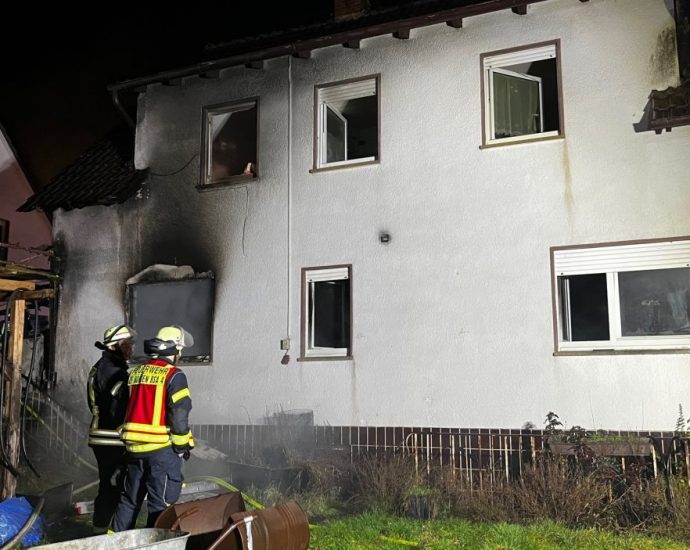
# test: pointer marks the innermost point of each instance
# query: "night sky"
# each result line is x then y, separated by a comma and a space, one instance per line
57, 62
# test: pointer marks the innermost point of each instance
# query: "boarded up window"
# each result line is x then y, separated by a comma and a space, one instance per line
185, 302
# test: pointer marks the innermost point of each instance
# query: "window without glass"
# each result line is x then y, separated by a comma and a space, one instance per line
628, 296
4, 237
326, 320
186, 302
230, 142
521, 89
347, 123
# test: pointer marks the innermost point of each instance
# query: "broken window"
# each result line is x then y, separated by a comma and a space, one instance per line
154, 303
230, 142
326, 322
628, 296
347, 122
522, 98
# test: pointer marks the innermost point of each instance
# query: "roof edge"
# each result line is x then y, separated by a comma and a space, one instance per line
295, 47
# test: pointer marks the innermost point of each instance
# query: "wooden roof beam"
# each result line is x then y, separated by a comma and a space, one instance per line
455, 23
302, 54
9, 285
402, 34
520, 10
353, 44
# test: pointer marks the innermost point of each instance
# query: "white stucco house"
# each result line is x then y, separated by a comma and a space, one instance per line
455, 220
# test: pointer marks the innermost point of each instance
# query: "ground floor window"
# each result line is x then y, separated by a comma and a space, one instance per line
626, 296
326, 312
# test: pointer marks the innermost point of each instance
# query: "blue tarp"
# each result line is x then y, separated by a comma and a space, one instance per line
14, 513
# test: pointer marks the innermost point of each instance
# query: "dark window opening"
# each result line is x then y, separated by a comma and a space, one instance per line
185, 302
4, 238
584, 307
330, 303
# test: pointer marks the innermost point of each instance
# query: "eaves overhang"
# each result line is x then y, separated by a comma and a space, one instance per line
302, 41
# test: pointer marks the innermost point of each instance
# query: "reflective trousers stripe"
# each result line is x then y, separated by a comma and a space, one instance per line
104, 441
145, 447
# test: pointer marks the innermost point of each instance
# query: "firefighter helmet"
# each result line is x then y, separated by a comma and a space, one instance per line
177, 334
168, 341
118, 333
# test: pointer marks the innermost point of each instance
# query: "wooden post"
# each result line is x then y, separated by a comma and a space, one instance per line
11, 418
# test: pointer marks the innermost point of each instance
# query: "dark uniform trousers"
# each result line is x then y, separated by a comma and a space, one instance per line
159, 475
110, 459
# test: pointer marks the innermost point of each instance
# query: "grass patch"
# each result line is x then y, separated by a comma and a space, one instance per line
385, 532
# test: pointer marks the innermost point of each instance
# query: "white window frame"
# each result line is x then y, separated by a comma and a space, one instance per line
324, 132
351, 89
494, 63
309, 277
612, 259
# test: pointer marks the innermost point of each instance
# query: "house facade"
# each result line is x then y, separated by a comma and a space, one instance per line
457, 225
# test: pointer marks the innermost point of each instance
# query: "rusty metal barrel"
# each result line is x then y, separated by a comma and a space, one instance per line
205, 519
281, 527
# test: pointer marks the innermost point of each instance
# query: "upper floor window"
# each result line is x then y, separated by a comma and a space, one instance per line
347, 123
522, 94
230, 142
623, 296
326, 313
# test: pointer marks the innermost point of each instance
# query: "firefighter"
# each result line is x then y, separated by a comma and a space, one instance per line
156, 430
107, 398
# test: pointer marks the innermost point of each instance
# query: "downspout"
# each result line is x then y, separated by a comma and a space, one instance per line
286, 357
116, 101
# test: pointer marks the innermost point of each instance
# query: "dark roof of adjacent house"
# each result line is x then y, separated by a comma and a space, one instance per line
103, 175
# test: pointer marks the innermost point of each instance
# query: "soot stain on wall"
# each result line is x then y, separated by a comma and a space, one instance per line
663, 62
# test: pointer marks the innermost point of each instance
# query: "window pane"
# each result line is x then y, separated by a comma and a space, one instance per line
516, 106
331, 307
588, 307
336, 131
362, 127
654, 302
233, 143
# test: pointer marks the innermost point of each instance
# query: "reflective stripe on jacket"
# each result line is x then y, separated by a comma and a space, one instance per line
107, 399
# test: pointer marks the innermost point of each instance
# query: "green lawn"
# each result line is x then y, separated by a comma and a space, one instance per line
378, 532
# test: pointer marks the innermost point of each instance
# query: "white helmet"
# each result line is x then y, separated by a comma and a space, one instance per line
118, 333
169, 341
177, 334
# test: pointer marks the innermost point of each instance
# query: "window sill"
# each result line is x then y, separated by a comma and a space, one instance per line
343, 166
521, 141
234, 181
338, 358
621, 352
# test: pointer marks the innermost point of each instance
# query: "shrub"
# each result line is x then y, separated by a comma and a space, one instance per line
382, 482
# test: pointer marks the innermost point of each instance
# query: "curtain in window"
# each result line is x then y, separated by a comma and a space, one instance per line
516, 106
